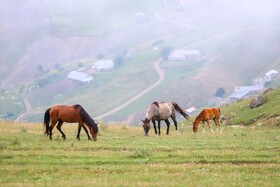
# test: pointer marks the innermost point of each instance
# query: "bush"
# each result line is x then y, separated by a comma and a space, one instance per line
141, 153
23, 129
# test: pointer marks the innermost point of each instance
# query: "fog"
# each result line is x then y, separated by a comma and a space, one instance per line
42, 38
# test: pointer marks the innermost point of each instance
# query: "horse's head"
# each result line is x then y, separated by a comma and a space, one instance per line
94, 130
195, 127
146, 126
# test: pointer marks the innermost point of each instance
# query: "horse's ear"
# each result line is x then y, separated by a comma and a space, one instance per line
142, 120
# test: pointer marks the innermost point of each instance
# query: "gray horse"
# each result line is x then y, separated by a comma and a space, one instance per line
162, 111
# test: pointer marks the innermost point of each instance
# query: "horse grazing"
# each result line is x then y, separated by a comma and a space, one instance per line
70, 114
206, 115
162, 111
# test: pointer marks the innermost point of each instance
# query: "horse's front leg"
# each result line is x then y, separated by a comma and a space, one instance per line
78, 134
203, 125
209, 126
59, 128
89, 138
154, 123
159, 127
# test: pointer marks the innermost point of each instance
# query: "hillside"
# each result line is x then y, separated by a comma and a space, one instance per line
43, 49
244, 153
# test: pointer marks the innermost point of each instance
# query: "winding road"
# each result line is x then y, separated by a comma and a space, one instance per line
160, 73
26, 103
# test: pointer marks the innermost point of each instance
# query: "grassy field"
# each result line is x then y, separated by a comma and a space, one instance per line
122, 156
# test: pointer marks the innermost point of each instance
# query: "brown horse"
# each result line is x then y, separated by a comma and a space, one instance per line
70, 114
206, 115
162, 111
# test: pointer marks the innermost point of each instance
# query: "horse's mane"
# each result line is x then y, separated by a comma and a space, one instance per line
86, 117
155, 103
76, 106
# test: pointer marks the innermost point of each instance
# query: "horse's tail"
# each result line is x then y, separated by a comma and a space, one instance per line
47, 119
179, 109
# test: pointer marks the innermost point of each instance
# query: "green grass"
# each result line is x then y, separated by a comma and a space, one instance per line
11, 104
244, 153
122, 156
239, 113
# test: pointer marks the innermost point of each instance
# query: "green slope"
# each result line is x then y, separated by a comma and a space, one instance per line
239, 113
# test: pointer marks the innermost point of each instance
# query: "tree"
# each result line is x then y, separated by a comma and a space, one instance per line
40, 68
100, 56
220, 92
165, 52
118, 60
80, 64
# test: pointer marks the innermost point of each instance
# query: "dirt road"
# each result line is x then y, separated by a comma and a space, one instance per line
160, 73
26, 103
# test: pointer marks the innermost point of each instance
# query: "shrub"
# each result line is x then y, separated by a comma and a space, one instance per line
23, 129
141, 153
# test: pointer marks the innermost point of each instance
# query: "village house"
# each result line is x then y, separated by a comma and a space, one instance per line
241, 92
140, 17
271, 74
191, 110
182, 55
79, 76
104, 65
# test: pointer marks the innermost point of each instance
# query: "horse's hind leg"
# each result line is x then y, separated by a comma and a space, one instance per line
168, 125
175, 122
51, 128
59, 128
217, 122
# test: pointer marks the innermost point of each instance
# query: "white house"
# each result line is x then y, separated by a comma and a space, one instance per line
79, 76
244, 91
177, 55
181, 55
191, 110
103, 65
271, 74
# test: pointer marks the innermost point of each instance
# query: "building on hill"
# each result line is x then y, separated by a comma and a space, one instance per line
267, 78
271, 74
182, 55
104, 65
191, 110
241, 92
140, 17
79, 76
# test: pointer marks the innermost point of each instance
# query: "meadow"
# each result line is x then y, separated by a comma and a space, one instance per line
123, 156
